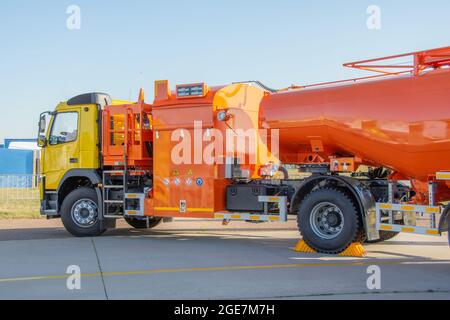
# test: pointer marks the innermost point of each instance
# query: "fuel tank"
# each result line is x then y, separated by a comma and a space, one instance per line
399, 122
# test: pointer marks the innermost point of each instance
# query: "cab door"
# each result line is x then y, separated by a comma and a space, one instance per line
62, 152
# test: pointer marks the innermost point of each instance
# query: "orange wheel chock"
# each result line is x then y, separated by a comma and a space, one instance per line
356, 250
303, 247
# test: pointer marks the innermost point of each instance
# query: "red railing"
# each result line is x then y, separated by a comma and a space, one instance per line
419, 62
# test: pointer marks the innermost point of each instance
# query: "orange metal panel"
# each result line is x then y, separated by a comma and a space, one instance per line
162, 90
195, 183
174, 183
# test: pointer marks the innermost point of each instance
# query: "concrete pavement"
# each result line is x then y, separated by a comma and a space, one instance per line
204, 260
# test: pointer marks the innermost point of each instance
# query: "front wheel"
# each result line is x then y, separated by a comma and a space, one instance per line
142, 224
329, 221
79, 213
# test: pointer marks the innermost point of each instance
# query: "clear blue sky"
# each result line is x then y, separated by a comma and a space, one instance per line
123, 45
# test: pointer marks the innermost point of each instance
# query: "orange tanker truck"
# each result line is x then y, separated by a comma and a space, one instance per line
356, 160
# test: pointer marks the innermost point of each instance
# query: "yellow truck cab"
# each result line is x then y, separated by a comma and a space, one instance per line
70, 139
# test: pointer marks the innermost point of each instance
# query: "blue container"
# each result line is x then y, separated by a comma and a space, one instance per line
16, 168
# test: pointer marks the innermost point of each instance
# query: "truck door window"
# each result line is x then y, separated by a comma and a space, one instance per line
65, 128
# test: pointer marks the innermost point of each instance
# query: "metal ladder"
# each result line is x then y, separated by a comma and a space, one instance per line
108, 186
106, 180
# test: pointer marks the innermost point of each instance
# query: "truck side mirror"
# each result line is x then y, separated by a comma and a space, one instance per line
42, 141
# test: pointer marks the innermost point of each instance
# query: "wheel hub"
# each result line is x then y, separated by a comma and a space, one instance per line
84, 213
327, 220
333, 219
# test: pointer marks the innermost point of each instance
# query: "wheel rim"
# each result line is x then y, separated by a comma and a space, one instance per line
84, 213
327, 220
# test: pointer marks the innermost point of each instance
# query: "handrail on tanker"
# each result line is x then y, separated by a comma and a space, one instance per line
421, 61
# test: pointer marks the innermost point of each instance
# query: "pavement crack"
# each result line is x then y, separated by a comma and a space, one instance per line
100, 269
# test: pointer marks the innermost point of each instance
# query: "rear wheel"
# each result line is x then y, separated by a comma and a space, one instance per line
329, 221
79, 213
142, 224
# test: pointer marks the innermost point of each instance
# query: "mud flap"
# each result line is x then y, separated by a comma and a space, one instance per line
444, 223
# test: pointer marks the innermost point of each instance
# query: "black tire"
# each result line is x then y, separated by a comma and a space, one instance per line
69, 207
384, 236
142, 224
448, 232
344, 218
